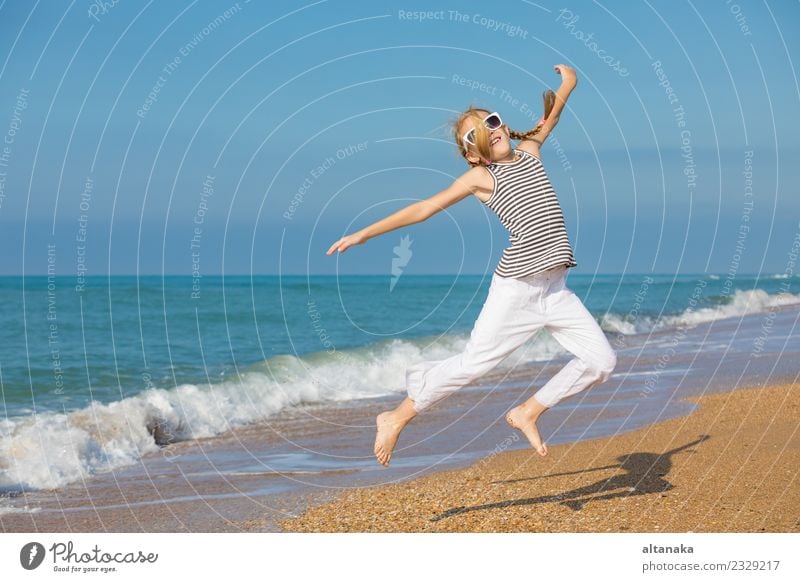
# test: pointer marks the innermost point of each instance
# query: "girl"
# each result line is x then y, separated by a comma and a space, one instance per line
528, 289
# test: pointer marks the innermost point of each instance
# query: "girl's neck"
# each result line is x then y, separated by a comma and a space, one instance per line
511, 157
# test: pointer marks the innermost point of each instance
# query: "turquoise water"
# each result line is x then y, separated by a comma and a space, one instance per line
95, 378
61, 349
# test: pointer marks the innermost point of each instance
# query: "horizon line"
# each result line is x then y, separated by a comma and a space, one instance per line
105, 276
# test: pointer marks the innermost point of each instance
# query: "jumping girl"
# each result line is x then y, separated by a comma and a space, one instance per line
528, 290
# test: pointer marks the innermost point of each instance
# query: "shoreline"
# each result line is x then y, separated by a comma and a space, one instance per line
732, 465
261, 476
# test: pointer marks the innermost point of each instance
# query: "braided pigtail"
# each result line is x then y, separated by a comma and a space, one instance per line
549, 99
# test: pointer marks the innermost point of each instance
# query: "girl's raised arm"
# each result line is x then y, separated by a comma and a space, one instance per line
420, 211
568, 82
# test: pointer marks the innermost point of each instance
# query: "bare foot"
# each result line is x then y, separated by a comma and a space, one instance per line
389, 428
523, 419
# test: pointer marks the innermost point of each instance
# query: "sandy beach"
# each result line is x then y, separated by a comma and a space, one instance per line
731, 466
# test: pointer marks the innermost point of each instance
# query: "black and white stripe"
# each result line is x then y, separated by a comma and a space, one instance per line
526, 204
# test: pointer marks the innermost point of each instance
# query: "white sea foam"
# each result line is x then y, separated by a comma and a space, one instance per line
51, 449
615, 323
6, 508
741, 303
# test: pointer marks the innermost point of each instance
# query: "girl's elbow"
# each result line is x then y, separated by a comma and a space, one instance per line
423, 212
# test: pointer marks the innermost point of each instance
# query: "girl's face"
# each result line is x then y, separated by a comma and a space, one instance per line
500, 142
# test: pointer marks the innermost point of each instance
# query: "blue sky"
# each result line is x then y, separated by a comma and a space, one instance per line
247, 137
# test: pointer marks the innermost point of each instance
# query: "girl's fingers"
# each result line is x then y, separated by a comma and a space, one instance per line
341, 245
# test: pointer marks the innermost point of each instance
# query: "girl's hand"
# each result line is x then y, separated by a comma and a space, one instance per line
346, 242
567, 73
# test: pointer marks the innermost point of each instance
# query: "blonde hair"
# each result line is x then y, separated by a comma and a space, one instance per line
482, 146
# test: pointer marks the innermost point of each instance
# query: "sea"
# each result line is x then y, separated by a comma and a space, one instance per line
94, 377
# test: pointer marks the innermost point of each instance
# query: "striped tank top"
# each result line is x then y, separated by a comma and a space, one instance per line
526, 204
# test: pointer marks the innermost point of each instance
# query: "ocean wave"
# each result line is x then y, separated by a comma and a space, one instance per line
48, 450
741, 303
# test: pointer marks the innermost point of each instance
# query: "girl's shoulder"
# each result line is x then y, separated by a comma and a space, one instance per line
481, 179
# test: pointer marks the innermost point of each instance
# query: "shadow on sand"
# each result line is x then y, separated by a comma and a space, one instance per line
643, 474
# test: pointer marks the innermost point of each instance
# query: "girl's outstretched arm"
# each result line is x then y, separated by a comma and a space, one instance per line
420, 211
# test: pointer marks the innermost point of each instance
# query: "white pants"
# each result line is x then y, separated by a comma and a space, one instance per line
514, 310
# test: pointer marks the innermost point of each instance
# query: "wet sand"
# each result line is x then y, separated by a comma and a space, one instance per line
733, 465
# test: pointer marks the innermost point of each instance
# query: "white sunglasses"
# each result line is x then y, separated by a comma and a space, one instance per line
492, 121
